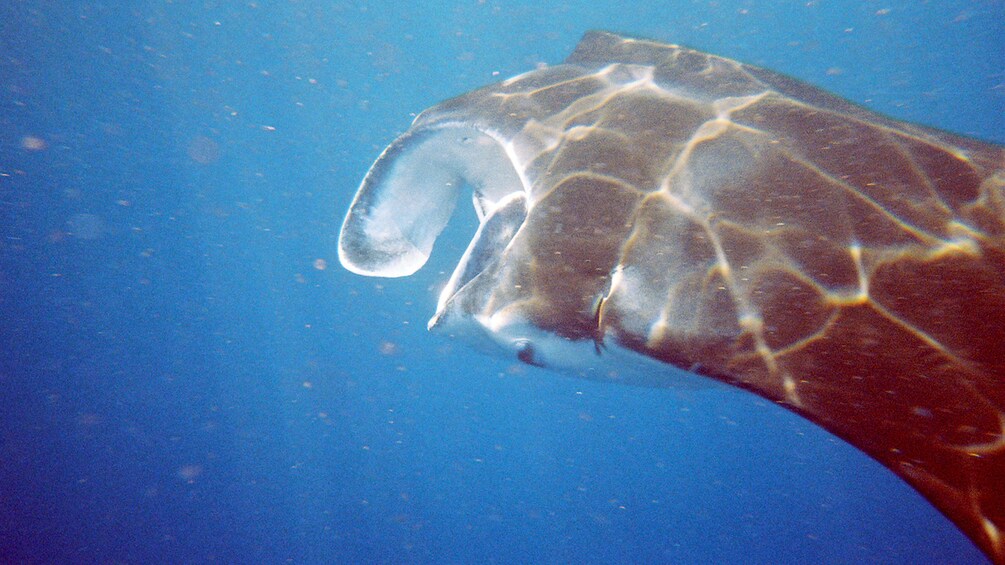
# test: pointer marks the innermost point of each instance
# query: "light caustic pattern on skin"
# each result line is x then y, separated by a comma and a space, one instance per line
751, 228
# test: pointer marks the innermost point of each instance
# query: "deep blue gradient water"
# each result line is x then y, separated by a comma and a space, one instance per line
187, 376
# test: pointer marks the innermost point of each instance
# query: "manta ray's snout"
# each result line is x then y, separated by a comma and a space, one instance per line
473, 305
504, 333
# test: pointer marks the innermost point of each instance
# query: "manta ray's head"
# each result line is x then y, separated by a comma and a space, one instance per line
512, 292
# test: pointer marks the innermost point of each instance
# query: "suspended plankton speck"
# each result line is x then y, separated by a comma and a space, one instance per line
85, 226
203, 150
33, 143
189, 472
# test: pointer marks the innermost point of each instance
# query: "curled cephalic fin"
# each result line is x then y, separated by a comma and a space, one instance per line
409, 194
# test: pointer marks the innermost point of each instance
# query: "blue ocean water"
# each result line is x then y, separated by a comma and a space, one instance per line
188, 376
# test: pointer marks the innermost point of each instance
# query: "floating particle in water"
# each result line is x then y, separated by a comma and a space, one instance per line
85, 226
189, 472
203, 150
320, 264
88, 420
33, 143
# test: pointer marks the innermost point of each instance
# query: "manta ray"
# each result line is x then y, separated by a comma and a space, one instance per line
652, 214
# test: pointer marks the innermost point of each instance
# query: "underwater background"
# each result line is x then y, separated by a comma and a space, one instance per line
187, 375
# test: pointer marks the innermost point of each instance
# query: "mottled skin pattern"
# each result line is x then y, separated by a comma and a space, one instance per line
756, 230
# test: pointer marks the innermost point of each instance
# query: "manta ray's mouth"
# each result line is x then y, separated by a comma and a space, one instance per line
410, 192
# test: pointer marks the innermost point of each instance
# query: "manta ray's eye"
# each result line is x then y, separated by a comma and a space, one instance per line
525, 352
